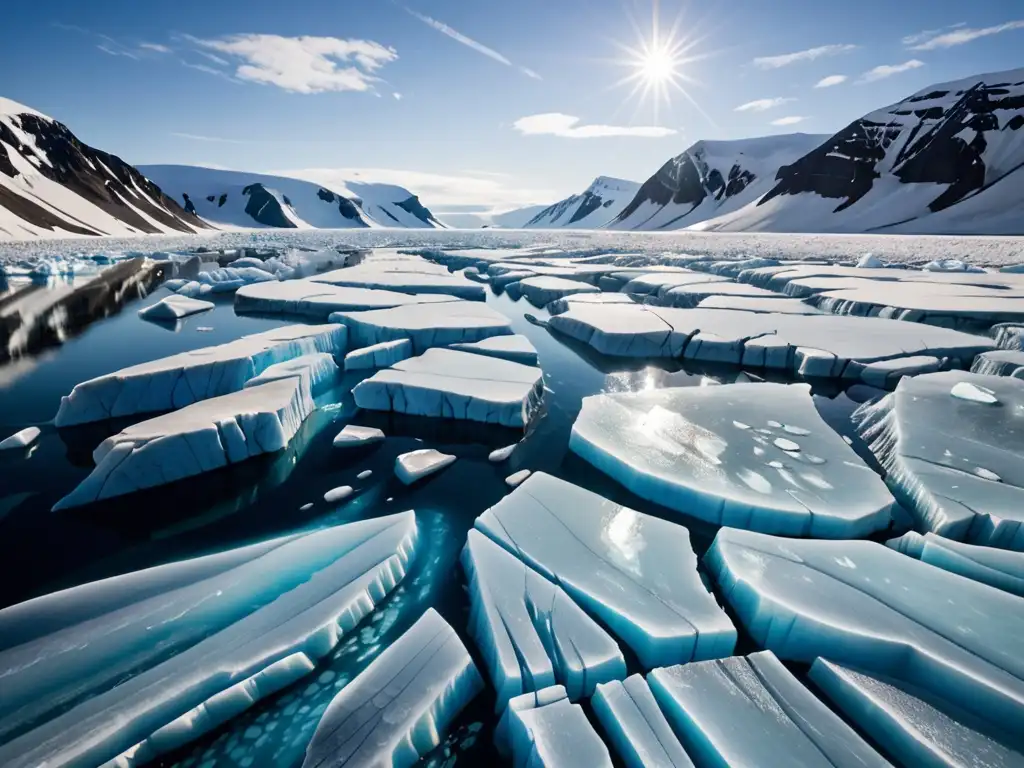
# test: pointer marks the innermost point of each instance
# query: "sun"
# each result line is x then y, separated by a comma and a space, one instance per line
657, 65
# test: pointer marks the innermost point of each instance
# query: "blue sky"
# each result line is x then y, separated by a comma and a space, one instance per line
475, 102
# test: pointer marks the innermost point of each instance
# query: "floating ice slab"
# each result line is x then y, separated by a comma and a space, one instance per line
559, 306
636, 727
1002, 362
996, 567
914, 727
22, 439
544, 730
137, 665
517, 478
886, 374
353, 435
423, 280
953, 450
501, 454
316, 300
863, 604
335, 495
318, 372
635, 573
400, 706
692, 295
179, 380
752, 711
529, 631
444, 383
425, 325
652, 284
174, 308
754, 304
415, 465
518, 349
752, 456
382, 355
543, 289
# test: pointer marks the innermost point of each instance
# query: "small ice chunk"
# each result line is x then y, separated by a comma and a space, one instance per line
513, 480
338, 494
501, 454
306, 507
174, 308
22, 439
987, 474
382, 355
545, 730
636, 727
786, 445
966, 390
518, 349
364, 474
353, 435
415, 465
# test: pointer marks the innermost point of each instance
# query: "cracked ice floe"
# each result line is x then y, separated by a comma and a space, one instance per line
658, 283
405, 276
137, 665
400, 706
306, 298
382, 355
353, 435
752, 711
861, 603
998, 568
201, 437
21, 439
955, 462
318, 372
445, 383
174, 308
518, 349
636, 727
636, 573
425, 325
560, 306
179, 380
692, 295
808, 345
530, 632
545, 730
1002, 362
753, 304
543, 289
415, 465
692, 449
224, 280
913, 726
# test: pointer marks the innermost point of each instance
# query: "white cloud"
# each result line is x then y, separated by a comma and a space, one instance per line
568, 127
304, 64
789, 120
155, 47
113, 49
785, 59
762, 105
928, 41
212, 57
828, 82
888, 70
397, 96
530, 73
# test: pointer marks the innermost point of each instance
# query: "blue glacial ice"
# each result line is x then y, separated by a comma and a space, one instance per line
179, 380
952, 445
174, 308
754, 456
425, 325
750, 710
315, 300
545, 730
1001, 362
518, 349
318, 373
863, 604
400, 706
998, 568
913, 726
225, 280
382, 355
636, 573
352, 436
415, 465
137, 665
635, 726
445, 383
529, 631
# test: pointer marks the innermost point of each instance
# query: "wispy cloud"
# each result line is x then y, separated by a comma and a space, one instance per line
785, 59
304, 64
209, 139
888, 70
210, 56
568, 127
155, 47
962, 35
209, 70
112, 46
114, 50
397, 96
828, 82
789, 120
762, 105
924, 34
530, 73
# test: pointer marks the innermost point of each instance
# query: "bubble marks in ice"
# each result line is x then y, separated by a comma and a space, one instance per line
702, 451
415, 465
996, 567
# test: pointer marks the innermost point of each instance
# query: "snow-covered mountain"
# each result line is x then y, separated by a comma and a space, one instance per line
53, 185
597, 205
946, 160
711, 178
242, 199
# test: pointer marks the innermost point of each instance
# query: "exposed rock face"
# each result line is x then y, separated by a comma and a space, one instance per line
346, 207
596, 206
264, 208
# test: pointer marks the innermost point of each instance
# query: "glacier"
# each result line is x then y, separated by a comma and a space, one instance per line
863, 604
131, 667
636, 728
179, 380
754, 456
445, 383
382, 355
998, 568
518, 349
636, 573
400, 706
953, 451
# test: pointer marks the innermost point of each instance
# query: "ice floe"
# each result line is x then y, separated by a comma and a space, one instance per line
225, 280
861, 603
1001, 362
174, 308
782, 306
353, 435
692, 295
425, 325
636, 573
953, 450
998, 568
545, 730
415, 465
518, 349
501, 454
314, 300
754, 456
318, 373
138, 665
636, 727
179, 380
21, 439
340, 493
543, 289
559, 306
382, 355
445, 383
516, 478
752, 711
400, 706
405, 276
